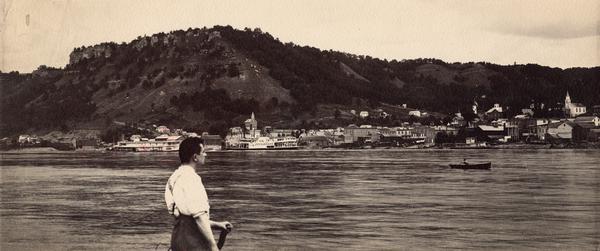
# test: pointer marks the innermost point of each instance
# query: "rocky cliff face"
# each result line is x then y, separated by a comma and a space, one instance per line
96, 51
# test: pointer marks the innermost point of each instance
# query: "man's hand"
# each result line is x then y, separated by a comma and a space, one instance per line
223, 226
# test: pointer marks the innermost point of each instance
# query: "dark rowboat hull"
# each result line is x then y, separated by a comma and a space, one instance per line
482, 166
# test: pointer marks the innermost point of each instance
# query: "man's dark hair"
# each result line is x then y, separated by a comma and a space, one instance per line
188, 148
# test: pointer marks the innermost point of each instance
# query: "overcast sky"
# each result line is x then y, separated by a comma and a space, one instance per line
551, 32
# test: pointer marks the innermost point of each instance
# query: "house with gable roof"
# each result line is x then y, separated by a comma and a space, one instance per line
494, 112
573, 109
562, 130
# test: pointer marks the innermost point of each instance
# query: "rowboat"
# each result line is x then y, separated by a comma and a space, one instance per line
480, 166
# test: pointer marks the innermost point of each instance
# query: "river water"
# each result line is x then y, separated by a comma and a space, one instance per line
309, 200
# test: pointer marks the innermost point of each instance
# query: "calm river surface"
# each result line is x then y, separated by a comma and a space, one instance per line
309, 200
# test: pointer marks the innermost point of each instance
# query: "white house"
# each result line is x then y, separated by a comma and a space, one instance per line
364, 114
415, 113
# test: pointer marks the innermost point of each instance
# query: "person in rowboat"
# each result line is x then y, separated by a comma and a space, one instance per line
187, 201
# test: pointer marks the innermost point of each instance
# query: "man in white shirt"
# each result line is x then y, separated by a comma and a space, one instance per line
186, 199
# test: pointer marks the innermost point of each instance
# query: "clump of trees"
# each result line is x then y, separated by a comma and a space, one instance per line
216, 103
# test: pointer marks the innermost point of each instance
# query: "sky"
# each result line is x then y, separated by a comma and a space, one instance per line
554, 33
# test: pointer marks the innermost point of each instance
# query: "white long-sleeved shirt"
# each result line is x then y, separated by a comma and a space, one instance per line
185, 194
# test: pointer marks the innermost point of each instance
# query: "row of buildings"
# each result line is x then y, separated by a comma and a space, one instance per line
491, 126
577, 125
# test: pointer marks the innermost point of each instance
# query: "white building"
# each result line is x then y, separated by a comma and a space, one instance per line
415, 113
573, 109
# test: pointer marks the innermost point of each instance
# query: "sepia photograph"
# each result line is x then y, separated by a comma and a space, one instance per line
299, 125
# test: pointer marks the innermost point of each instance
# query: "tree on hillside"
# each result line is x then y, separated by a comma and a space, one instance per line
232, 70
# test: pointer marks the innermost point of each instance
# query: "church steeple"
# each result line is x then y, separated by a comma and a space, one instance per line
568, 110
251, 125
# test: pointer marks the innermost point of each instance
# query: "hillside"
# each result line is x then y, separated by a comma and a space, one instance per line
210, 79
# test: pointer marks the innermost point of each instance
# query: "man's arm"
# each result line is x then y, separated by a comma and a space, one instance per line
204, 225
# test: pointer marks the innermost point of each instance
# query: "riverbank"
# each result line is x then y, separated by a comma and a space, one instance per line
589, 145
32, 150
48, 149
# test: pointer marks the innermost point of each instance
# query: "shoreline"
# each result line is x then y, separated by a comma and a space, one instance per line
446, 147
48, 149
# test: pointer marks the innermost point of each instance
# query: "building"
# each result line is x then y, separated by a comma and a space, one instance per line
540, 129
251, 126
512, 130
315, 141
399, 136
494, 113
562, 130
212, 142
415, 113
363, 114
282, 133
493, 133
586, 128
446, 129
594, 120
251, 123
528, 127
427, 132
29, 140
586, 132
573, 109
353, 134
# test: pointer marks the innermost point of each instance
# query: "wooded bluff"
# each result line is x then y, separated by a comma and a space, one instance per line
212, 78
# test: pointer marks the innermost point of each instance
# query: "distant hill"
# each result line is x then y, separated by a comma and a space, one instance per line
210, 79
